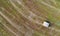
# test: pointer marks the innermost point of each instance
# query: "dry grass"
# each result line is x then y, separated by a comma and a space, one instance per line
25, 17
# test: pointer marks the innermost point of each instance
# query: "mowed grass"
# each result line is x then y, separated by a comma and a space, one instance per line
52, 13
35, 6
3, 30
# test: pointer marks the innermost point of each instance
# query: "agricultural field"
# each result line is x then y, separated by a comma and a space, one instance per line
26, 17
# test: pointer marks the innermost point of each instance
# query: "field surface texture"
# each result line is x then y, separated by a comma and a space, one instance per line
26, 17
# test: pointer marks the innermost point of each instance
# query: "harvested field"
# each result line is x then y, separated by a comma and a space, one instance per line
25, 17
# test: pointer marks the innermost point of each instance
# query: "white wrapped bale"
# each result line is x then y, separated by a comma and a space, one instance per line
46, 24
